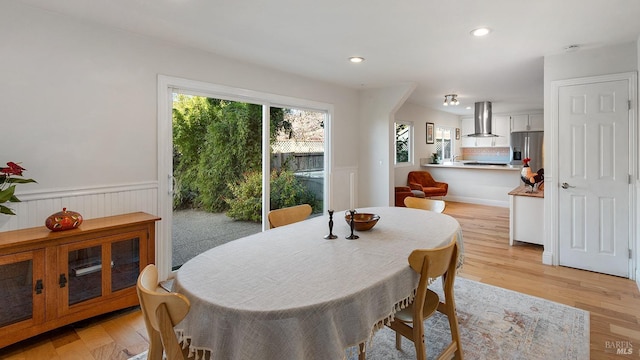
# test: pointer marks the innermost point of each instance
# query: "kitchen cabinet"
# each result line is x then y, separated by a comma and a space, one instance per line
527, 122
50, 279
467, 127
500, 126
526, 216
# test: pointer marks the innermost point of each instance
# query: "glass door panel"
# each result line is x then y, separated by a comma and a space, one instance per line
16, 302
217, 172
125, 256
85, 274
297, 158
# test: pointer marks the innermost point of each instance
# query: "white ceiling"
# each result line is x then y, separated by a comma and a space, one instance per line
420, 41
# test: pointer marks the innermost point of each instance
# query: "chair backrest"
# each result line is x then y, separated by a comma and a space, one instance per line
423, 178
177, 305
289, 215
433, 263
424, 204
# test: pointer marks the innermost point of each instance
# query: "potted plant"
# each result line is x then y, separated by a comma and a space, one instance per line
9, 177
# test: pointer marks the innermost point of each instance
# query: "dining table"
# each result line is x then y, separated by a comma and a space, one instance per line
289, 293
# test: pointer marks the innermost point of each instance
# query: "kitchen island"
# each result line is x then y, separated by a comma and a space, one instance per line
482, 183
526, 215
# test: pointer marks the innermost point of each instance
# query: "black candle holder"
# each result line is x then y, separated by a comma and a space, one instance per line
352, 225
331, 236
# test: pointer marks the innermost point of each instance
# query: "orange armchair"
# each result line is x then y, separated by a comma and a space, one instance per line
401, 193
422, 180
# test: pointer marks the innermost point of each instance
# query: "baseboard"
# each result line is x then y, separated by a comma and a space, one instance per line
547, 257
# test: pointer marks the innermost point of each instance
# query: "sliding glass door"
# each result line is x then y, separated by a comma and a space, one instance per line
217, 157
297, 158
220, 150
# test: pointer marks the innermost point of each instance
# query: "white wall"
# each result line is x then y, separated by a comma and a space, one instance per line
375, 165
78, 100
419, 116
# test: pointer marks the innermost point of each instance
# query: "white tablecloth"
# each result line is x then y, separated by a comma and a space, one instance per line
287, 293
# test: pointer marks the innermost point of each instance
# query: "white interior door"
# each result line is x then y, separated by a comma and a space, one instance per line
594, 168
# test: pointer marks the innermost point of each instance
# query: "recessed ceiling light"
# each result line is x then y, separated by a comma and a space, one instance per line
356, 59
482, 31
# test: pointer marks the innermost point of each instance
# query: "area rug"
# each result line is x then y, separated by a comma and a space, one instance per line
495, 324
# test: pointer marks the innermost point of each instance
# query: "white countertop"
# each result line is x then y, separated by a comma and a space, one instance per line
481, 165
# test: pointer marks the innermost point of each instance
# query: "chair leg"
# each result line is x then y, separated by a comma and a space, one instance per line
418, 340
455, 333
361, 354
398, 341
155, 346
172, 349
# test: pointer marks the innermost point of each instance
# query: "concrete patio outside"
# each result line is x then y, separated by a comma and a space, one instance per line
195, 231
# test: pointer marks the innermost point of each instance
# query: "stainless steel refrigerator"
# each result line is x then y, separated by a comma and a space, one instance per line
528, 145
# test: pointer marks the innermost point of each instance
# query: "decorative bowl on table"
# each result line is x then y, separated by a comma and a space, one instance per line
362, 221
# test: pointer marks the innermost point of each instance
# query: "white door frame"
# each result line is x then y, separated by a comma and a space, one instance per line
551, 202
166, 85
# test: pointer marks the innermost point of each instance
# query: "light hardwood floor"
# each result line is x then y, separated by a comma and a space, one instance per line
614, 303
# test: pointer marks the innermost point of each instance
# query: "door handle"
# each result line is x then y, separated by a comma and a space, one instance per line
566, 186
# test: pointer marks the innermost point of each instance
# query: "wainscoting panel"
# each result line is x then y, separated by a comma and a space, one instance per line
90, 202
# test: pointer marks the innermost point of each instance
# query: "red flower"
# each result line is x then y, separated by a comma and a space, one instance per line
12, 169
8, 185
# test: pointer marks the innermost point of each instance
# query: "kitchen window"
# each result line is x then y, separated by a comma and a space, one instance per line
445, 142
403, 143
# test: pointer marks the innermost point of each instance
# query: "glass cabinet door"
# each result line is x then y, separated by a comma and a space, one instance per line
85, 274
21, 281
95, 270
125, 256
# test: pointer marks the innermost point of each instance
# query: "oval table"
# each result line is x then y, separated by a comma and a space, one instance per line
287, 293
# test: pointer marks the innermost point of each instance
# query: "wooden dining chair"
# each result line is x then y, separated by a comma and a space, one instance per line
425, 204
162, 311
288, 215
409, 322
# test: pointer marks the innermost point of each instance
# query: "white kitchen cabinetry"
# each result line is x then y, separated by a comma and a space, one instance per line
526, 216
536, 122
501, 126
467, 127
527, 122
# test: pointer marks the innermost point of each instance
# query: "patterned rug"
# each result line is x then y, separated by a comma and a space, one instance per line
495, 324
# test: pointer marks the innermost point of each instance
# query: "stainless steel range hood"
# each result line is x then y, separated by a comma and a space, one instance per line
482, 120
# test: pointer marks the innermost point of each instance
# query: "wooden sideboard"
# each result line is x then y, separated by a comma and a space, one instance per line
50, 279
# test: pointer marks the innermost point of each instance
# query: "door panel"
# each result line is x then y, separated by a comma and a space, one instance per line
594, 162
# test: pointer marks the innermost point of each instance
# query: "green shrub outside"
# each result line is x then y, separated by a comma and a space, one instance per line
215, 143
286, 190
